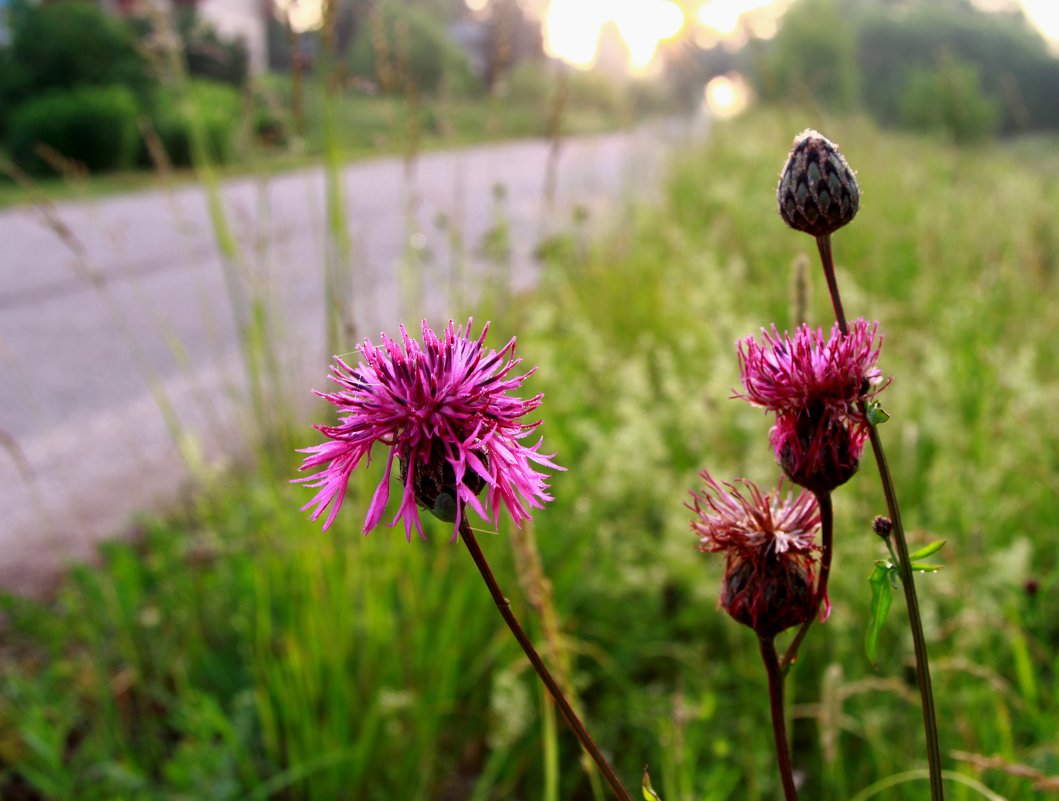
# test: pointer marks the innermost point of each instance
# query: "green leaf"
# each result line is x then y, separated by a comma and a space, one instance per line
925, 567
876, 414
927, 550
881, 599
648, 793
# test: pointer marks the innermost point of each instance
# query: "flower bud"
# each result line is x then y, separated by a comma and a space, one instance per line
818, 192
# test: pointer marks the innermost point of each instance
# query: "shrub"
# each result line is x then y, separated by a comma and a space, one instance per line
207, 53
413, 48
950, 100
216, 107
63, 45
92, 125
813, 61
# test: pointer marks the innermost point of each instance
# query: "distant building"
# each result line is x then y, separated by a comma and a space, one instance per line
241, 19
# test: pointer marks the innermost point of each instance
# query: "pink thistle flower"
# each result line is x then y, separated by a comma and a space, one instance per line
769, 541
807, 372
444, 411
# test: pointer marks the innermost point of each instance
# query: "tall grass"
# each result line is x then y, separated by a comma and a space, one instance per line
236, 652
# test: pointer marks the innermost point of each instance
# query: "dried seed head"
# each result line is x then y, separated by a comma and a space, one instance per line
818, 192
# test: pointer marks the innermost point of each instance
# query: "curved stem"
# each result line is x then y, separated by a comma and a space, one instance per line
779, 726
915, 620
504, 606
827, 528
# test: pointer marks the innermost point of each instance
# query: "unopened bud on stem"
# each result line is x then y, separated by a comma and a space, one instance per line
818, 192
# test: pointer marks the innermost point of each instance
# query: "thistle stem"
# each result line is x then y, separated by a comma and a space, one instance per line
915, 620
779, 726
827, 528
504, 607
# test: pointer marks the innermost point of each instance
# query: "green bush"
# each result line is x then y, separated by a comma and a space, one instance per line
215, 107
416, 52
71, 43
813, 58
95, 126
950, 100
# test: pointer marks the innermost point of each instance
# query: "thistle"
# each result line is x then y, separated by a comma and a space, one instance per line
445, 411
818, 192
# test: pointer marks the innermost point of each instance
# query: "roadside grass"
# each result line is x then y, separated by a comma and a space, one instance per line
236, 652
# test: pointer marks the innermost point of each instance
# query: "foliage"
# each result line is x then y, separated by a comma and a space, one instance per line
813, 58
219, 109
895, 59
238, 648
949, 100
1016, 71
404, 49
209, 55
71, 43
95, 126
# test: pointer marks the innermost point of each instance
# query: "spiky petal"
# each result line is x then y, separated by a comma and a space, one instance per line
792, 374
445, 411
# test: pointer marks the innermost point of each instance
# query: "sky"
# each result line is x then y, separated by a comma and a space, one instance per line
572, 27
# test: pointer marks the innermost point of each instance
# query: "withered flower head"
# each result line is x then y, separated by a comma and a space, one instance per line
769, 542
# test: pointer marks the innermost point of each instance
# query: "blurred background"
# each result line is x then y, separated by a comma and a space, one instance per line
200, 202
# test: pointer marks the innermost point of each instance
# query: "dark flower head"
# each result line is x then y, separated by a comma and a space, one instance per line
445, 412
785, 374
769, 543
817, 192
818, 451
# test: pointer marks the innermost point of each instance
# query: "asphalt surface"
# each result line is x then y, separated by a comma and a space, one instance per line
108, 305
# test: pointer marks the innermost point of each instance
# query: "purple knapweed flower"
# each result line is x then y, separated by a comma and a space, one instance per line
445, 412
785, 374
769, 542
816, 387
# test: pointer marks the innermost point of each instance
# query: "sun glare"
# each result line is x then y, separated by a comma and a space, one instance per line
303, 16
1044, 15
572, 28
726, 96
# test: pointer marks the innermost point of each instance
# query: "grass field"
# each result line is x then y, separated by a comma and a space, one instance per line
235, 652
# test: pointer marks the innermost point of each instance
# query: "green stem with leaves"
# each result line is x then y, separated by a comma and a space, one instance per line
915, 620
572, 719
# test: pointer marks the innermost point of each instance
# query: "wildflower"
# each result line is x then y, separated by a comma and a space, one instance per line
445, 412
791, 375
816, 388
817, 192
769, 542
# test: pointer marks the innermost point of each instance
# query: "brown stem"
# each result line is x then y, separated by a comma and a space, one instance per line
915, 620
779, 726
823, 244
504, 606
827, 528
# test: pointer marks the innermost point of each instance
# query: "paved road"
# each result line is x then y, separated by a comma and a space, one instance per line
84, 443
